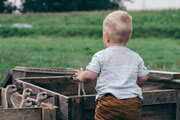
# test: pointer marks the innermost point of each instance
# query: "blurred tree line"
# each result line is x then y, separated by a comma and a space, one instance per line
58, 5
66, 5
6, 7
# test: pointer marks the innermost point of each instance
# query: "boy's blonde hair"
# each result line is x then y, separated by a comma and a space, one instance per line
118, 25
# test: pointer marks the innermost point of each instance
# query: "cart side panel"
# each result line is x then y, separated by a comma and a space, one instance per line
64, 108
61, 85
159, 112
58, 100
36, 90
157, 105
178, 106
159, 97
21, 114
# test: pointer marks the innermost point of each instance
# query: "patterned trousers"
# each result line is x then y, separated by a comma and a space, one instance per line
111, 108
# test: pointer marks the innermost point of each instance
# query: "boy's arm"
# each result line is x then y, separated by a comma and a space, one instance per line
83, 76
142, 80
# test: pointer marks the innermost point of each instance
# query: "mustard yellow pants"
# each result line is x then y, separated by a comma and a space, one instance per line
111, 108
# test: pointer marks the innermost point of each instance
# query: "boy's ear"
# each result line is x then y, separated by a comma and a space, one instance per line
130, 36
106, 36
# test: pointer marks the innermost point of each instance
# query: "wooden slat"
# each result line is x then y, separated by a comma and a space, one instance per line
159, 109
178, 106
20, 68
167, 83
88, 114
64, 108
89, 102
64, 102
61, 84
150, 97
18, 72
0, 96
158, 117
49, 113
21, 114
159, 97
76, 108
38, 89
164, 75
3, 104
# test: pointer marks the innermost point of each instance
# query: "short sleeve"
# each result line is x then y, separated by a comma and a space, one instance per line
142, 70
95, 64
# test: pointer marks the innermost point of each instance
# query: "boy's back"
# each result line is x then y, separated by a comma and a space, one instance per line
119, 68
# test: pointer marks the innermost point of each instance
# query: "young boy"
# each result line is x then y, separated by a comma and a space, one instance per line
119, 71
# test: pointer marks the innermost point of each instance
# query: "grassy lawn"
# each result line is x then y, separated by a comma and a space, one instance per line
158, 54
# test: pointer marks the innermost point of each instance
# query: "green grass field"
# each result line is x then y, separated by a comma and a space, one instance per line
158, 54
74, 50
145, 24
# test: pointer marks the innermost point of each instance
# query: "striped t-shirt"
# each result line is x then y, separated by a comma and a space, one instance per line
118, 68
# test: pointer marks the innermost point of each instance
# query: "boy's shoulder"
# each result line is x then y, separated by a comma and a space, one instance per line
98, 53
135, 54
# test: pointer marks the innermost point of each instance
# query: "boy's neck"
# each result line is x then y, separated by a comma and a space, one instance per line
117, 44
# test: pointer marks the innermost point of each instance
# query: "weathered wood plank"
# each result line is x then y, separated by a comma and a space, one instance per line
89, 102
20, 68
158, 117
49, 113
178, 106
3, 104
64, 108
18, 72
150, 97
21, 114
159, 97
168, 83
76, 108
0, 96
159, 109
61, 84
36, 90
88, 114
164, 75
64, 102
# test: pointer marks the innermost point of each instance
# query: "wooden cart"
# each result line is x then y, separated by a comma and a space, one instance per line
160, 102
161, 94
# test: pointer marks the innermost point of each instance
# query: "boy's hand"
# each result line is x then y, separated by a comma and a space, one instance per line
83, 76
80, 74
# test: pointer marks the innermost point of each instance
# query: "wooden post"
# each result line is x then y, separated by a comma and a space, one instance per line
178, 105
77, 108
49, 113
